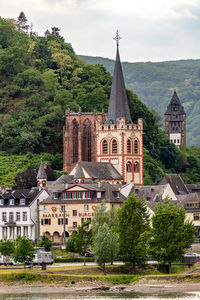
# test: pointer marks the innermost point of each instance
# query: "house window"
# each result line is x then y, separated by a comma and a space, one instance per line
88, 195
98, 195
1, 201
46, 209
84, 195
3, 216
128, 146
12, 202
178, 141
74, 213
135, 146
175, 141
105, 147
17, 216
74, 195
61, 221
136, 167
56, 196
79, 195
11, 217
74, 224
86, 207
22, 201
47, 222
24, 216
196, 217
114, 146
129, 166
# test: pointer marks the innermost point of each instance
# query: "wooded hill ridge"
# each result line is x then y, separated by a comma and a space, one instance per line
40, 77
154, 83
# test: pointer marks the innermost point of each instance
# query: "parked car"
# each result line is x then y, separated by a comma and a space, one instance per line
6, 260
42, 257
191, 257
88, 254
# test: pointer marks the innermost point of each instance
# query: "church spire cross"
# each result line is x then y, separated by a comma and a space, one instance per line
117, 38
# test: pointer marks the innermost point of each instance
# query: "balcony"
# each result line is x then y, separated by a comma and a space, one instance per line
10, 223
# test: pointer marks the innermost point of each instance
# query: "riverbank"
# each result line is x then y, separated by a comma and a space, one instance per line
143, 286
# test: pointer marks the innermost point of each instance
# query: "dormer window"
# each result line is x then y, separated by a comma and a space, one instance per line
1, 201
11, 202
56, 196
22, 201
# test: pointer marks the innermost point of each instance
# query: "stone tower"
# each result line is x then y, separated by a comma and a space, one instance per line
119, 141
42, 177
175, 121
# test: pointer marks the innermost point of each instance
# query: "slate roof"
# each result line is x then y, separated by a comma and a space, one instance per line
118, 104
176, 183
64, 179
175, 99
109, 194
41, 172
28, 194
193, 188
149, 192
97, 170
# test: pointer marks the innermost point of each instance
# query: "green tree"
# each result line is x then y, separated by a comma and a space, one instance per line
70, 244
7, 248
132, 224
24, 250
102, 216
105, 245
171, 233
83, 239
22, 21
45, 242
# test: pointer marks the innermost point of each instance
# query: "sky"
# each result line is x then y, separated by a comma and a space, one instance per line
151, 30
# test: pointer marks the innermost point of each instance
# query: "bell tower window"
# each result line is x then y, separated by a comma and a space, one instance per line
128, 146
129, 166
105, 147
136, 167
114, 146
135, 146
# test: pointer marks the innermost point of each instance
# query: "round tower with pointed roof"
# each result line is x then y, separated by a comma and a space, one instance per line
175, 121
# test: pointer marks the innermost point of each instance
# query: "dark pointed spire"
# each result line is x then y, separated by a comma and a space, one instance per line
118, 105
41, 172
175, 105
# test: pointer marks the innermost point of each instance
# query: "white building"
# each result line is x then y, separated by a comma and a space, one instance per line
18, 212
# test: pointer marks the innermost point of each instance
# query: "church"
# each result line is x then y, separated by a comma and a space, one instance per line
111, 138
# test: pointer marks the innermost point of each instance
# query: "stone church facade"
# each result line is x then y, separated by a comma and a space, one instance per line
106, 138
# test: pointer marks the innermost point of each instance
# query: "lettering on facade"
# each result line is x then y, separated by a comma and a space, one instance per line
55, 215
86, 214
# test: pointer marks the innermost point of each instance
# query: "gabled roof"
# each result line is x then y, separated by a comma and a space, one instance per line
175, 101
110, 193
118, 104
41, 172
96, 170
149, 192
63, 179
28, 194
176, 183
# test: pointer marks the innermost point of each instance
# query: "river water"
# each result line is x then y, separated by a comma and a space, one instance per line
102, 296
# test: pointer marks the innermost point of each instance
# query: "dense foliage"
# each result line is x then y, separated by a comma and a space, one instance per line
40, 77
154, 84
171, 234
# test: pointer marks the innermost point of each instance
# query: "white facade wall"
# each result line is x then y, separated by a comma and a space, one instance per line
22, 227
175, 138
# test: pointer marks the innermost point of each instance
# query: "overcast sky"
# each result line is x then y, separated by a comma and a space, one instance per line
151, 30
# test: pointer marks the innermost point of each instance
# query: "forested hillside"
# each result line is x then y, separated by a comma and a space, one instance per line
40, 77
154, 84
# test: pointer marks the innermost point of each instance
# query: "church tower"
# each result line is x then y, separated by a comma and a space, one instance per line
119, 141
175, 121
42, 177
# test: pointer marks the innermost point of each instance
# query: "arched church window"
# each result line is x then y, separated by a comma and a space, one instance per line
86, 143
75, 140
114, 146
135, 146
136, 167
128, 146
129, 166
105, 146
